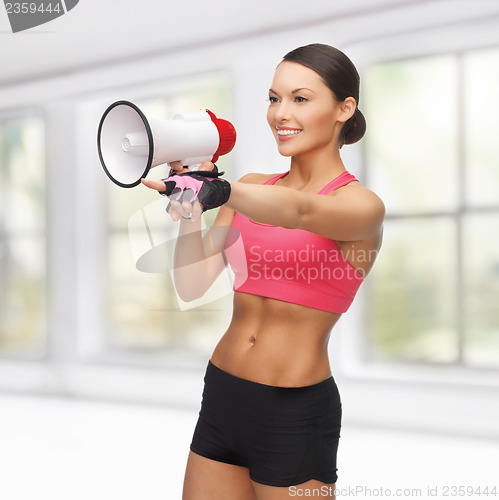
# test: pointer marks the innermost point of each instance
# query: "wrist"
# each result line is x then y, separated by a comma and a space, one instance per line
234, 189
189, 226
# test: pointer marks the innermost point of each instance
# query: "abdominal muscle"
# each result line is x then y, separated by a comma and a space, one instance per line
276, 343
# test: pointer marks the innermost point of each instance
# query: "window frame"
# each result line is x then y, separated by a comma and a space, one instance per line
354, 363
42, 353
93, 348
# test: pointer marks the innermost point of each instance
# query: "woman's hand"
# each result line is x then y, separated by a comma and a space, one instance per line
180, 209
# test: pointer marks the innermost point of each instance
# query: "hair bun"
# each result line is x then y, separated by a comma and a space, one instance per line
354, 128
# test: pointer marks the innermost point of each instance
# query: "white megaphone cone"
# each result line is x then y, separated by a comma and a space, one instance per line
130, 145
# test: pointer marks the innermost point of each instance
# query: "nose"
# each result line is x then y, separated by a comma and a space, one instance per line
282, 112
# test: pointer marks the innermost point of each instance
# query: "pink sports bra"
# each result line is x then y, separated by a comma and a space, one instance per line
293, 265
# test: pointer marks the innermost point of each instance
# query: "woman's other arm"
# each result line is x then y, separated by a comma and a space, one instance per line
198, 259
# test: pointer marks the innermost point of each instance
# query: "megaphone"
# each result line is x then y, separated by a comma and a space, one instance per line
130, 144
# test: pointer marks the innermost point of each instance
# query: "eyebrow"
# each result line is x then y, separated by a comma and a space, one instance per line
294, 91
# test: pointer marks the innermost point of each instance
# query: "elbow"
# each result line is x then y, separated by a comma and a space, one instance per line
188, 298
298, 215
187, 295
189, 290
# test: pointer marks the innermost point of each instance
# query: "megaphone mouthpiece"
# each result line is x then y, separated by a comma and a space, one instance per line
136, 143
227, 134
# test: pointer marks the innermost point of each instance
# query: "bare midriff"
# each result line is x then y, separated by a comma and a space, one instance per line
276, 343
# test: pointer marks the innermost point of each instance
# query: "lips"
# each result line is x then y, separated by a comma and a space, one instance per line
285, 134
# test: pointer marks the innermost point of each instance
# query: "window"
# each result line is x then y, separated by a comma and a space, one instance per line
431, 154
22, 238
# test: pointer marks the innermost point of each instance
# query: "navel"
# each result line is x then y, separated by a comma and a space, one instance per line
252, 340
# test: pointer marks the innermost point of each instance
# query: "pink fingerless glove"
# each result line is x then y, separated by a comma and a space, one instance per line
204, 186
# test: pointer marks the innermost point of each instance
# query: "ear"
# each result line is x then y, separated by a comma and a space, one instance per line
347, 109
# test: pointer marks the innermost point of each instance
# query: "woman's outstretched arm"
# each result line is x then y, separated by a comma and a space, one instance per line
354, 213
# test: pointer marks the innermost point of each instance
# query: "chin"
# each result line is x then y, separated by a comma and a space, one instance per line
285, 150
289, 152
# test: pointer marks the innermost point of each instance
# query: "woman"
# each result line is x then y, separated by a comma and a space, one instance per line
271, 413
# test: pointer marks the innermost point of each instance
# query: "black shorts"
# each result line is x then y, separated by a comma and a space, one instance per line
284, 435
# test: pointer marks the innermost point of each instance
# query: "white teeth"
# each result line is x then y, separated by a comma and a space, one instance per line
287, 132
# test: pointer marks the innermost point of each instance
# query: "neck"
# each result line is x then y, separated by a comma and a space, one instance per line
315, 167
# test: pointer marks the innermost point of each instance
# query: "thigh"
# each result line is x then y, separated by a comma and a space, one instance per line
294, 448
309, 489
207, 479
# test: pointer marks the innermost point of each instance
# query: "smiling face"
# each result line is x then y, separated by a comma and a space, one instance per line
303, 113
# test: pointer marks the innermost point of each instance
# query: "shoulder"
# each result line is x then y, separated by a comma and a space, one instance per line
350, 213
364, 198
256, 178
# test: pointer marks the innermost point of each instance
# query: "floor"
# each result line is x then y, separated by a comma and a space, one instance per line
59, 449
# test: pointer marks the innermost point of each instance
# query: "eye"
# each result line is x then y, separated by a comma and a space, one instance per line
300, 98
273, 99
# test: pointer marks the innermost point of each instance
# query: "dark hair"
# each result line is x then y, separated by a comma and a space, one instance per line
340, 75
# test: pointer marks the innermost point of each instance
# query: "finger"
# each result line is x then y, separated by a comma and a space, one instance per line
187, 208
174, 214
197, 210
207, 165
177, 206
171, 212
154, 184
187, 195
176, 165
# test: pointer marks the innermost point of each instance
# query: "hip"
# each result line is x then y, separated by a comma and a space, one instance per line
246, 399
272, 359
